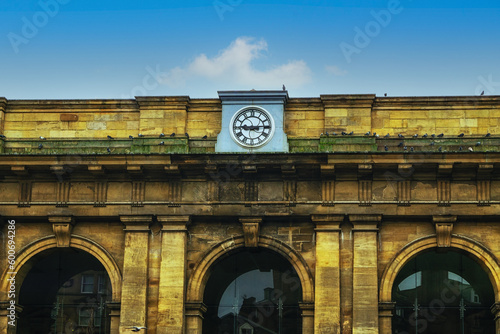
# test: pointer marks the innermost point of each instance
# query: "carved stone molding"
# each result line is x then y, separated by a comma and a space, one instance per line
404, 193
327, 223
134, 169
100, 193
307, 309
136, 223
328, 185
444, 192
62, 193
174, 223
328, 192
444, 227
405, 170
172, 171
251, 230
365, 192
195, 309
24, 197
96, 169
62, 227
483, 190
365, 223
386, 309
174, 192
20, 170
495, 309
138, 193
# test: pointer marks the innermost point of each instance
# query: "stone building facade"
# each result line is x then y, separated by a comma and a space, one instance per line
124, 213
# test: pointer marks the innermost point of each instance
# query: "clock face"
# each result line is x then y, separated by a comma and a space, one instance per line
251, 127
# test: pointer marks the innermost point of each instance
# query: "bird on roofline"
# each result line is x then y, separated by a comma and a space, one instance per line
136, 328
109, 137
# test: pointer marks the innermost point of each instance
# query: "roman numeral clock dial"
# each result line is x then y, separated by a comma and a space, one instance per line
251, 127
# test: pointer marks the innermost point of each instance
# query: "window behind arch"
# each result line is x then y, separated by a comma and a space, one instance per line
66, 291
443, 292
252, 293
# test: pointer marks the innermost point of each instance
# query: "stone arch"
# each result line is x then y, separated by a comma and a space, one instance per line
201, 272
483, 256
35, 248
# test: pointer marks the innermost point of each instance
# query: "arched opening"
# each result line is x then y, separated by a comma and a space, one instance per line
66, 290
252, 292
442, 292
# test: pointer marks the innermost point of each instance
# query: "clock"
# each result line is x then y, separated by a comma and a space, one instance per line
251, 127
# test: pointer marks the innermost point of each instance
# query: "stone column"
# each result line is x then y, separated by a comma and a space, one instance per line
307, 317
114, 314
365, 278
9, 317
495, 309
135, 272
172, 274
194, 317
385, 317
327, 289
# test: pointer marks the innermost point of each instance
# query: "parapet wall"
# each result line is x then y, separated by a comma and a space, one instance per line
305, 118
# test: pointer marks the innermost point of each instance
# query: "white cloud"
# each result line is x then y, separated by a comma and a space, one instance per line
335, 70
233, 66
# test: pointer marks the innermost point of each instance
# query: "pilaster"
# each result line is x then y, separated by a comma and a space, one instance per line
365, 279
307, 317
194, 317
172, 274
327, 286
135, 272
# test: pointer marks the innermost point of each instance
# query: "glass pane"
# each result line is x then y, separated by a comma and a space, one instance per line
56, 297
253, 292
442, 292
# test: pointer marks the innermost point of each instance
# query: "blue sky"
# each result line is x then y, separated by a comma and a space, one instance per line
63, 49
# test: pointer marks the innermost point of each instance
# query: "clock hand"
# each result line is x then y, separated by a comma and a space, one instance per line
250, 127
254, 127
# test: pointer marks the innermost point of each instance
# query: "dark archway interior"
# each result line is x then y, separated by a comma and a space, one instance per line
65, 291
253, 292
443, 292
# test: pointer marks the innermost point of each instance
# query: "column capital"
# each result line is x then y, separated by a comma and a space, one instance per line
327, 223
365, 223
174, 223
136, 223
61, 220
386, 308
195, 309
444, 219
495, 309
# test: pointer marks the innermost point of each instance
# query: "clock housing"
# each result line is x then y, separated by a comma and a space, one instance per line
252, 126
